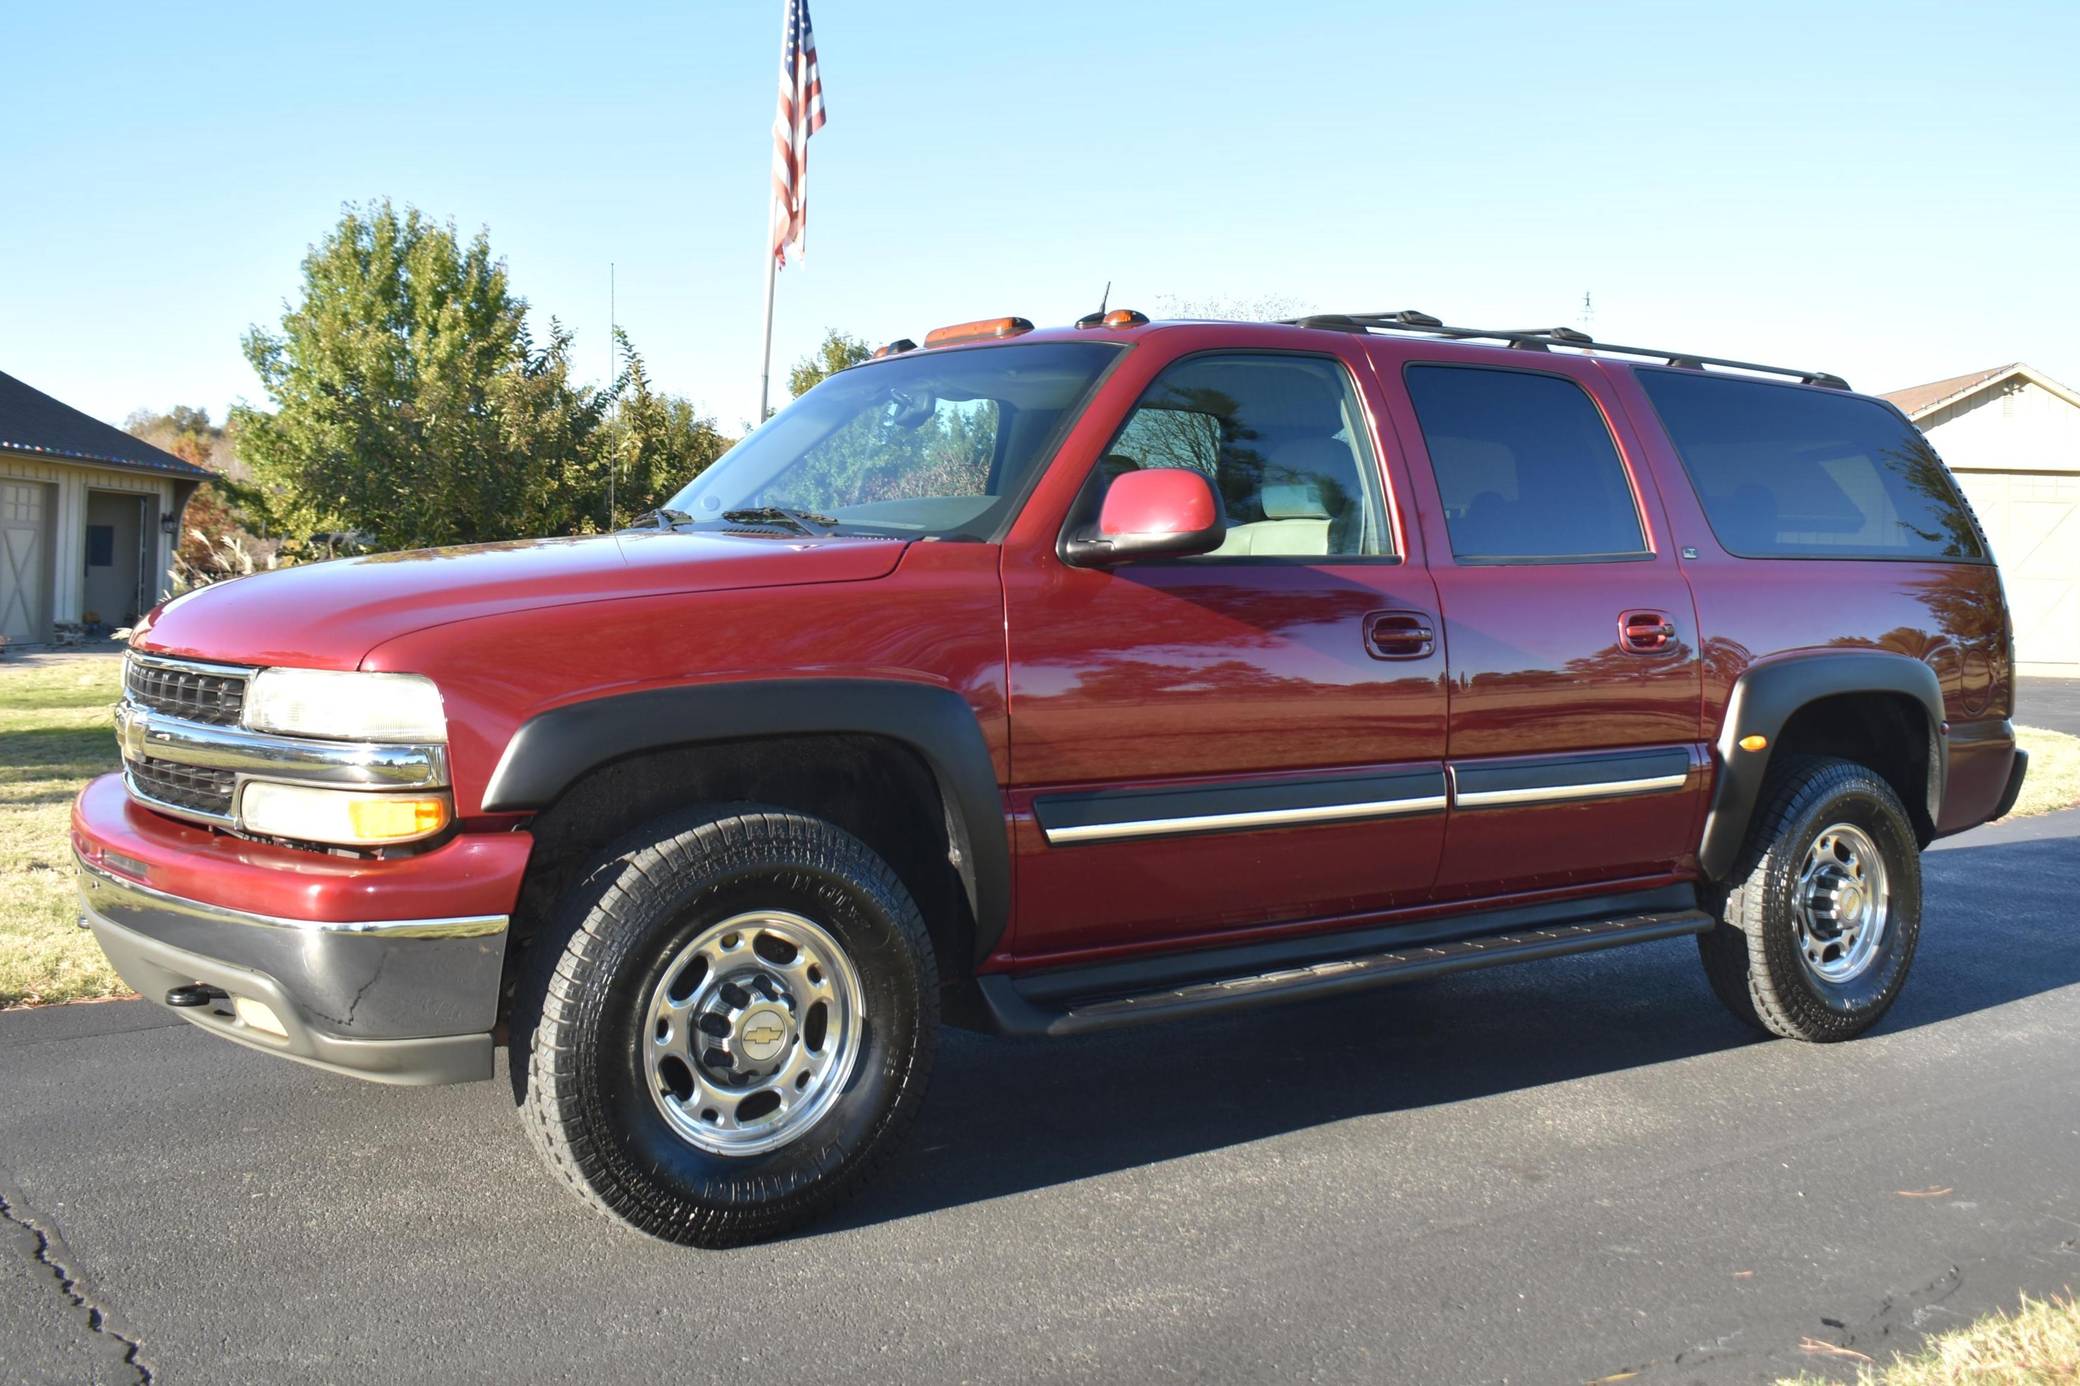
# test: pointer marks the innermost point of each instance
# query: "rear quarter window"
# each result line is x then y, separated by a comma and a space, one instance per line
1788, 471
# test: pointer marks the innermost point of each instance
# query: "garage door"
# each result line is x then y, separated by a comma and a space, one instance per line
24, 560
2034, 523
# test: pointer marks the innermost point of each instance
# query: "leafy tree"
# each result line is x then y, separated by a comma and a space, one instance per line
837, 351
654, 443
412, 404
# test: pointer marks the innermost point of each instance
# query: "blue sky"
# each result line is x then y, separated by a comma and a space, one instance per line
1889, 192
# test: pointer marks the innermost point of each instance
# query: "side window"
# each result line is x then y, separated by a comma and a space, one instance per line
1525, 466
1283, 442
1788, 471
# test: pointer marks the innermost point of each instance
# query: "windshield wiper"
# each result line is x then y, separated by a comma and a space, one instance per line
664, 517
801, 520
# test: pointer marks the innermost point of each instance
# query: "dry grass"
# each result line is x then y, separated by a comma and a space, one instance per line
56, 734
2054, 771
2037, 1345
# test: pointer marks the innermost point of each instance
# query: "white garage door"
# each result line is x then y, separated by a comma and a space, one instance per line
2034, 523
24, 560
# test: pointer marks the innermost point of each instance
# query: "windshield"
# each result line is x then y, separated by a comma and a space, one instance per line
936, 445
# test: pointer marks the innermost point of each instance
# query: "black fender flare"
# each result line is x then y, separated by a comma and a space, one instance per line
1764, 699
554, 748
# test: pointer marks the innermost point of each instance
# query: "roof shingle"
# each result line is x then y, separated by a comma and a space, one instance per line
31, 421
1917, 398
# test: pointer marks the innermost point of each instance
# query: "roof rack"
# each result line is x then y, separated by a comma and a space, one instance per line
1542, 339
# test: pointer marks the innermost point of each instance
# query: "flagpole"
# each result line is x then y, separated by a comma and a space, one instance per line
765, 354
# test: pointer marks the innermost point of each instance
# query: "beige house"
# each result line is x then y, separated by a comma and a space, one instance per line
2012, 436
88, 518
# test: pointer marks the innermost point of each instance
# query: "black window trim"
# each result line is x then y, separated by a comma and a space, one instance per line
1984, 560
1207, 562
1646, 554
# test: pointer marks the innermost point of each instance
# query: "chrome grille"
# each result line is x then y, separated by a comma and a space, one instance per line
195, 788
192, 692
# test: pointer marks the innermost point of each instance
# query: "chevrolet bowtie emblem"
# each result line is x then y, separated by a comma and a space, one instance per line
767, 1033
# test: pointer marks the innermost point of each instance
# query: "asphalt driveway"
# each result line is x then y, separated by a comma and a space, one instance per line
1548, 1173
2053, 703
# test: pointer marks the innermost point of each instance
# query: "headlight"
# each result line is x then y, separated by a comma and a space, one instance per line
350, 706
352, 817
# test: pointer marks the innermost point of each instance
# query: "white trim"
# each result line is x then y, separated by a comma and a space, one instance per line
1599, 789
1255, 818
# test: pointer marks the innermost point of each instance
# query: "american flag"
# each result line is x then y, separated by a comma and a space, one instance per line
801, 115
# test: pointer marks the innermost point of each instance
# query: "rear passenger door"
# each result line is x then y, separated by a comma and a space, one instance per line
1572, 740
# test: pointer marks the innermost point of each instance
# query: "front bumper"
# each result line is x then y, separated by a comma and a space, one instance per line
396, 1000
368, 1000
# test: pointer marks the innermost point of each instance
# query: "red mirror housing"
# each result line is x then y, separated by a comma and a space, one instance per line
1162, 512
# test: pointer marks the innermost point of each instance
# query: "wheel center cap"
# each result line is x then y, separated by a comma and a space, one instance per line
1848, 905
762, 1032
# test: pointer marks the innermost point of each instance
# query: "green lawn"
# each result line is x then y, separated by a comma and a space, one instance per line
54, 726
55, 731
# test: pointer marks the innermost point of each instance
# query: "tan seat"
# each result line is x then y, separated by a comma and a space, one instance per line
1295, 524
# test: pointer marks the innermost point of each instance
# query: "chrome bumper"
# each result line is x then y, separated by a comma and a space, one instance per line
396, 1001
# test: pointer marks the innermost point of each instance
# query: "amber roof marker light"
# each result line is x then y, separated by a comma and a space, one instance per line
894, 348
980, 330
1118, 317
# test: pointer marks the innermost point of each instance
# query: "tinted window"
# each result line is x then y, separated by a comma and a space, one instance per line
1786, 471
1282, 440
1525, 466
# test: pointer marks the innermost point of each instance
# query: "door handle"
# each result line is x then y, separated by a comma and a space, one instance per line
1400, 635
1646, 632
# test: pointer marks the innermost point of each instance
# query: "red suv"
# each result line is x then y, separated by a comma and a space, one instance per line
1057, 681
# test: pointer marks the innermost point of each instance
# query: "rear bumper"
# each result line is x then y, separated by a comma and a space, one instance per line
359, 990
2014, 789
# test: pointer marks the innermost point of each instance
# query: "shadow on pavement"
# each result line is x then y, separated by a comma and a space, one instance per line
1006, 1117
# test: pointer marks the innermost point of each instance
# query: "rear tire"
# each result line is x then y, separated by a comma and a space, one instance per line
728, 1027
1819, 920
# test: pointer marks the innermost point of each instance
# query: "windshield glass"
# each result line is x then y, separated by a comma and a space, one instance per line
935, 445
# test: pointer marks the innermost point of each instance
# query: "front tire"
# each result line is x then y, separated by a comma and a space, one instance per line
729, 1026
1819, 921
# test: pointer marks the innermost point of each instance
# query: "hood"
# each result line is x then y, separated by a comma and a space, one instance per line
330, 615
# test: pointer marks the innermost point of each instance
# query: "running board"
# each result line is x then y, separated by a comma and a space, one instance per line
1017, 1013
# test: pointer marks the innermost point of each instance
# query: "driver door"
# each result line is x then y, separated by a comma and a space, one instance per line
1248, 739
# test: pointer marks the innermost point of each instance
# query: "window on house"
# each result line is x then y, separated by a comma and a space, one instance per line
101, 546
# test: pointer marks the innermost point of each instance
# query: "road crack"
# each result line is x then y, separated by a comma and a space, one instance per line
46, 1254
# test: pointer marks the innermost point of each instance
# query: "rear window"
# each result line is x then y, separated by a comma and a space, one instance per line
1525, 467
1785, 471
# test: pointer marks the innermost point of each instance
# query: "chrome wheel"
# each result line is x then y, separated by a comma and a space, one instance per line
1840, 904
752, 1032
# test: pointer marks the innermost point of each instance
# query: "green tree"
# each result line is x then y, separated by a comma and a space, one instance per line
654, 443
837, 351
412, 405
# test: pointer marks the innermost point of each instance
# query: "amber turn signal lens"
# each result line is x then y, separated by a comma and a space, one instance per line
1753, 743
980, 330
389, 817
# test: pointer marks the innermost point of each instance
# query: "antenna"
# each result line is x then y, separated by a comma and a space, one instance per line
1104, 298
613, 367
1588, 314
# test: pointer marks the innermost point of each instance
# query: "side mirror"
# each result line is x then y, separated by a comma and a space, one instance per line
1163, 512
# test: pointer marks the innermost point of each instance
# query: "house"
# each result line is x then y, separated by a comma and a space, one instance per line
88, 517
2012, 436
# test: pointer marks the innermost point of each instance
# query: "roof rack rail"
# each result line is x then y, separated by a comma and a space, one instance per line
1543, 339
